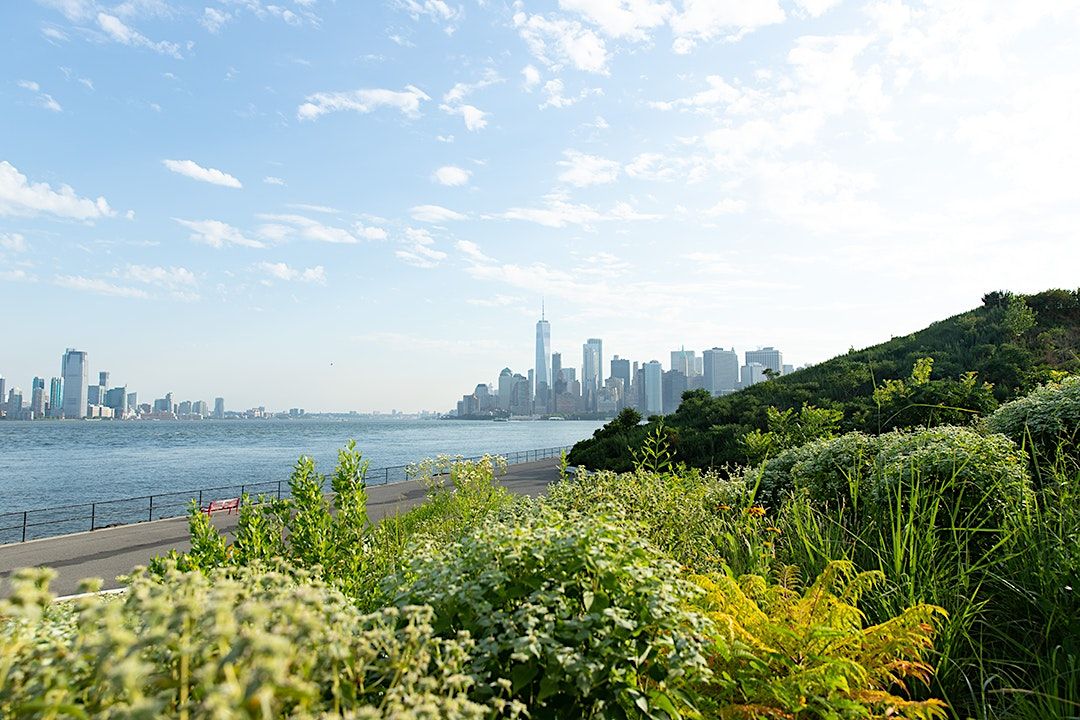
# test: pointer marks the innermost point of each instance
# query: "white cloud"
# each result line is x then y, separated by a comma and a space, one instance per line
622, 18
472, 251
462, 90
557, 211
53, 34
281, 271
189, 168
727, 206
729, 19
170, 278
435, 214
115, 28
557, 41
271, 180
217, 234
74, 10
418, 251
306, 228
45, 100
363, 101
582, 170
816, 8
369, 232
213, 19
554, 89
531, 77
12, 242
98, 286
451, 176
20, 197
474, 117
666, 168
16, 276
437, 11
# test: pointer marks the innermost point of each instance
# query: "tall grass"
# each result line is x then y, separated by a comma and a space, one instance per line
1010, 647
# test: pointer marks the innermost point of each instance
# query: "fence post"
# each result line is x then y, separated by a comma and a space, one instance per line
386, 476
151, 516
24, 526
278, 489
93, 514
200, 500
241, 491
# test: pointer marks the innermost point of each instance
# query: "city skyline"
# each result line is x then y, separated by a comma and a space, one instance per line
368, 200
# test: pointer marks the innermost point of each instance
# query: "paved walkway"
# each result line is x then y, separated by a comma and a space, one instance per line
109, 552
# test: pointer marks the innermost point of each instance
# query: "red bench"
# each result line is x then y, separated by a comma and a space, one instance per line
231, 505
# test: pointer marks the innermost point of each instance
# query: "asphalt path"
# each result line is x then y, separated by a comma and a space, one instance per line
109, 552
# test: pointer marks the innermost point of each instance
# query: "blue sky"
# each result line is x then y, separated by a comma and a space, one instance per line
359, 205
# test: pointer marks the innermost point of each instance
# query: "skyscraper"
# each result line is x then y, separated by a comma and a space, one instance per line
684, 361
219, 408
56, 398
74, 370
592, 363
721, 370
37, 400
3, 394
654, 388
620, 369
505, 389
770, 357
543, 363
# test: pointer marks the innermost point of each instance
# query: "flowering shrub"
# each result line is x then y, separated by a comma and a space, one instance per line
251, 644
1045, 422
573, 615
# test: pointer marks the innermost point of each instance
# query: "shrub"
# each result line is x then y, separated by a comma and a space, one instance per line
255, 644
980, 482
573, 614
1046, 422
695, 518
829, 471
784, 654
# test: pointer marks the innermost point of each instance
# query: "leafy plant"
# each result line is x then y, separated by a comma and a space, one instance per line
1046, 422
574, 615
789, 429
251, 643
784, 654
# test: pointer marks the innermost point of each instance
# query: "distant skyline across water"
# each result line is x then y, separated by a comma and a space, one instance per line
339, 205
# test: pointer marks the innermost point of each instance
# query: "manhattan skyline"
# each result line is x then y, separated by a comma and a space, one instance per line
342, 205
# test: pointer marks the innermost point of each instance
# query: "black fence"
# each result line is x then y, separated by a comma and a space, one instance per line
24, 525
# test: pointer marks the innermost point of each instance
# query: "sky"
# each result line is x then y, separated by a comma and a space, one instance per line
361, 205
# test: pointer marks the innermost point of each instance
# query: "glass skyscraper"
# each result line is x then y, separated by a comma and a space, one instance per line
75, 371
543, 364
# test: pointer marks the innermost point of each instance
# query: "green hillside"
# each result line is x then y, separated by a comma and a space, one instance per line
981, 358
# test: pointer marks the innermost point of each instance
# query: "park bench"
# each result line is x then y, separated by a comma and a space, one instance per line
230, 505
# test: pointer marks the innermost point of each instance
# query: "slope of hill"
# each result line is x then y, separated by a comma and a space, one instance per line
981, 358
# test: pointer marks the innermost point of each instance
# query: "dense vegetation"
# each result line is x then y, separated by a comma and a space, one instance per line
977, 360
923, 572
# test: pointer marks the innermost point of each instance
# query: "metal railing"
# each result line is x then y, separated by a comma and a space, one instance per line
23, 525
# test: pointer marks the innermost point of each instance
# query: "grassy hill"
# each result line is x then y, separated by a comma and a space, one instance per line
981, 358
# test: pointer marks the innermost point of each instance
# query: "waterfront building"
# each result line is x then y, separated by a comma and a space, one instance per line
133, 402
219, 408
74, 369
200, 408
753, 373
37, 400
56, 398
184, 408
543, 382
592, 360
653, 376
520, 396
3, 394
788, 369
556, 371
769, 356
721, 370
505, 390
116, 398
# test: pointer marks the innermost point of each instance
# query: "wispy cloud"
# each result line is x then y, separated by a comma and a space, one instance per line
43, 99
191, 169
115, 28
282, 271
363, 101
217, 234
451, 176
435, 214
98, 286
